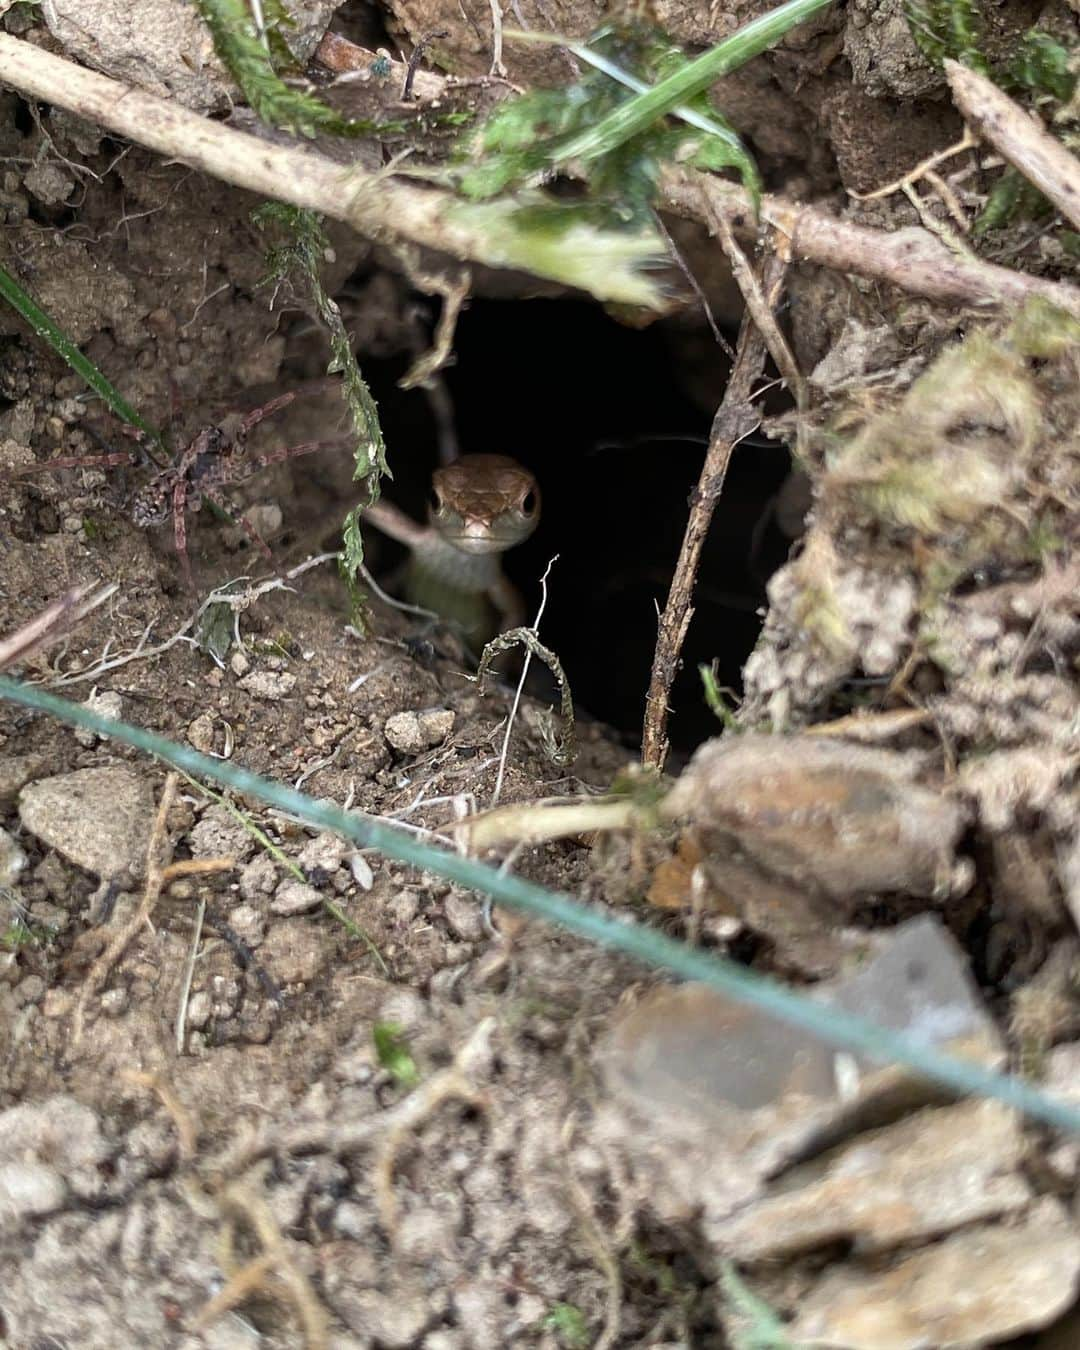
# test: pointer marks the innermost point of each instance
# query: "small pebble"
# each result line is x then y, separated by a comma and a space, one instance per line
114, 1002
107, 704
199, 1009
411, 732
464, 917
200, 733
271, 685
29, 1189
239, 664
361, 871
295, 897
30, 990
248, 924
258, 878
12, 858
57, 1003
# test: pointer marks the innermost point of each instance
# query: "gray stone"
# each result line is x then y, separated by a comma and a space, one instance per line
12, 858
271, 685
99, 819
28, 1189
219, 834
411, 732
464, 915
108, 704
295, 897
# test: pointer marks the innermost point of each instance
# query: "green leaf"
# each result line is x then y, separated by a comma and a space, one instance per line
393, 1054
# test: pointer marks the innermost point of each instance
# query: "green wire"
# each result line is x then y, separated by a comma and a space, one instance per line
832, 1025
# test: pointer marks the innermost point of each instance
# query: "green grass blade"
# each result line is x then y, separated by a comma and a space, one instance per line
591, 922
632, 117
63, 346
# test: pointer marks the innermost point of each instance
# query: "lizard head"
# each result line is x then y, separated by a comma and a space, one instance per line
484, 503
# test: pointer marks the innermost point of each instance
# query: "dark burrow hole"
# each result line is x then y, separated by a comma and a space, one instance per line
613, 422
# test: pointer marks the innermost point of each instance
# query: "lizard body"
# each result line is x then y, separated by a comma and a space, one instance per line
481, 506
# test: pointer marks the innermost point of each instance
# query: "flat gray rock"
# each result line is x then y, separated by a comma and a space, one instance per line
99, 819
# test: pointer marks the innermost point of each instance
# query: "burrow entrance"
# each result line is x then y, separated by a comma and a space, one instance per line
613, 421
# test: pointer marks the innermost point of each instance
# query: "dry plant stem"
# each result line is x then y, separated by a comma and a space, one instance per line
186, 1129
921, 170
374, 205
497, 793
158, 876
734, 420
758, 308
911, 258
1042, 160
274, 1271
451, 1083
53, 621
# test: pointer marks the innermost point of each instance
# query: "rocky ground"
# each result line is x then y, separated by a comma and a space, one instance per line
312, 1097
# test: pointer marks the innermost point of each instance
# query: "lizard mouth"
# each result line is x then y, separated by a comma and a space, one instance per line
477, 541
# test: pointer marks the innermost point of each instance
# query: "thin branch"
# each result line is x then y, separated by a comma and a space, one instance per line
734, 419
1043, 161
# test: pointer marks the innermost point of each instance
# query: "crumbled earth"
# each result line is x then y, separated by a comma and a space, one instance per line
315, 1097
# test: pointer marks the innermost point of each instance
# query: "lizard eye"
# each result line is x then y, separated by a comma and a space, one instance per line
435, 502
528, 503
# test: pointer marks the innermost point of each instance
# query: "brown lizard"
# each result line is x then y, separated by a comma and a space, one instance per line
481, 505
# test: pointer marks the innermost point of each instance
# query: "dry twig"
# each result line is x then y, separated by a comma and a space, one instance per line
449, 1084
734, 419
1043, 161
374, 204
53, 622
911, 259
186, 1129
273, 1271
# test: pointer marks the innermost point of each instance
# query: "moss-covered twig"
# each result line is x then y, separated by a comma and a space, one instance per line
249, 57
1042, 160
299, 258
559, 751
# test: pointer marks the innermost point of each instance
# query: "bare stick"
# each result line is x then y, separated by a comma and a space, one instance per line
1042, 160
758, 307
911, 258
734, 419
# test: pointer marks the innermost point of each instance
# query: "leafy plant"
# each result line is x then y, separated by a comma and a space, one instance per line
613, 122
298, 258
567, 1321
752, 1323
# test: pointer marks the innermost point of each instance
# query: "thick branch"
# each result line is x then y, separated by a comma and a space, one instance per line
375, 205
911, 259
